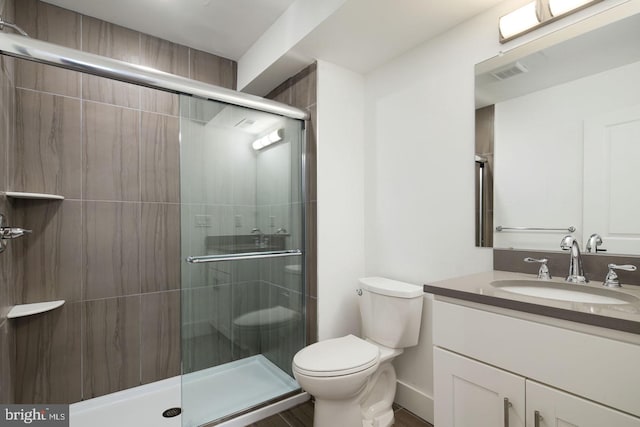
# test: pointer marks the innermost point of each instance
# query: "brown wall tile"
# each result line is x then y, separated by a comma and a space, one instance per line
51, 253
111, 345
46, 156
160, 247
111, 152
115, 42
160, 158
160, 329
170, 58
111, 157
9, 286
7, 362
7, 122
111, 232
212, 69
312, 320
303, 88
311, 155
48, 366
56, 25
282, 93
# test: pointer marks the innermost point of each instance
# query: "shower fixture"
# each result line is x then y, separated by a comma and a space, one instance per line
8, 233
14, 27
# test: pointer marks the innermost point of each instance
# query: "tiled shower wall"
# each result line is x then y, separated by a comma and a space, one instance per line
7, 287
110, 248
300, 91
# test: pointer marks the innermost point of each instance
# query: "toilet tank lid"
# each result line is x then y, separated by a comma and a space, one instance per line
393, 288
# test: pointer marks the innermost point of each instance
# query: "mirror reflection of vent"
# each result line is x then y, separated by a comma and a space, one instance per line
245, 123
509, 71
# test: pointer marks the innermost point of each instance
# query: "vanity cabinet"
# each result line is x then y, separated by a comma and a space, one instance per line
473, 394
496, 369
557, 408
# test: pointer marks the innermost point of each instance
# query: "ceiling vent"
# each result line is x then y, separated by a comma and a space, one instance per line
245, 123
509, 71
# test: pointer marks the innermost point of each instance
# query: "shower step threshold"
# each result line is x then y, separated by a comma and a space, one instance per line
23, 310
33, 196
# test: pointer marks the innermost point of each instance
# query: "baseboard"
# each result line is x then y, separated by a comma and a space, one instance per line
415, 401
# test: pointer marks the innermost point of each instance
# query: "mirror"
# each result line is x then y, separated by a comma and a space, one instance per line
566, 131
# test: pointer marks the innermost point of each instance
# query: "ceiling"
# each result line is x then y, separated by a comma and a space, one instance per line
375, 30
223, 27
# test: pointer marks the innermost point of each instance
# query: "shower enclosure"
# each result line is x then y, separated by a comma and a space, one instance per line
236, 214
242, 282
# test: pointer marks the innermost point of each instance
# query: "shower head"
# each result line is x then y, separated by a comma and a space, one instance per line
14, 27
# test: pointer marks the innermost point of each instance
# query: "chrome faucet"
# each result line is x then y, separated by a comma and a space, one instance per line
261, 240
594, 241
576, 270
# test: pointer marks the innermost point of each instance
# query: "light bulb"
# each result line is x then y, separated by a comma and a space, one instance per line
519, 20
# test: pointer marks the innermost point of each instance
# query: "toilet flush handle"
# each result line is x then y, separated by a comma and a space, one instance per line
359, 292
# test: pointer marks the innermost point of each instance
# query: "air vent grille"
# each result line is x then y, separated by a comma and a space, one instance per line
509, 71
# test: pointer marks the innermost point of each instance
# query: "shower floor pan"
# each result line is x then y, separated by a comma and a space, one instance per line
221, 391
207, 395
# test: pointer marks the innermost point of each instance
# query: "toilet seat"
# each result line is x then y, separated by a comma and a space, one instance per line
336, 357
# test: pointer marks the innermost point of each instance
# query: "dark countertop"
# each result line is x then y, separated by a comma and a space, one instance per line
477, 288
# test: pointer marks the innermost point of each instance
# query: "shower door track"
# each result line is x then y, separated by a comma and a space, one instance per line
243, 256
23, 47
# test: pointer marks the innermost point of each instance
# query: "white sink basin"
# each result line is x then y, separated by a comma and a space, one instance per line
564, 292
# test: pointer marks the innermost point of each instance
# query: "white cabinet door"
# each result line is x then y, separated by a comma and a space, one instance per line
559, 409
471, 394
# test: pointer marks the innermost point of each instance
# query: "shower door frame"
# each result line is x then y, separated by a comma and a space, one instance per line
23, 47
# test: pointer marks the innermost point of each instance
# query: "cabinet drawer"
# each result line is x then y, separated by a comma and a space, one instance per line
599, 369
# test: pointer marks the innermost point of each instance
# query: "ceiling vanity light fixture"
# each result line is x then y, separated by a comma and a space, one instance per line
268, 139
537, 13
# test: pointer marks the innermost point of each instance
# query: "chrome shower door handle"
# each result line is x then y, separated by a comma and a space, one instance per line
243, 256
505, 411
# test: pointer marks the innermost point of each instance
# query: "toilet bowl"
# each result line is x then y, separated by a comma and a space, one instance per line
256, 332
351, 378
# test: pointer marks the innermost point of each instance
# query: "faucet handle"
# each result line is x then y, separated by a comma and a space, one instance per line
543, 272
611, 281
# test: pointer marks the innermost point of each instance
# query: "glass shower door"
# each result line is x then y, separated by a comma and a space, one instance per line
242, 270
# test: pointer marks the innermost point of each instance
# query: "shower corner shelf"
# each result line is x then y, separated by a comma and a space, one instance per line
33, 196
23, 310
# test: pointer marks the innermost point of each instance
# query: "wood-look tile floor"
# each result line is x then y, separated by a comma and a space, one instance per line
302, 416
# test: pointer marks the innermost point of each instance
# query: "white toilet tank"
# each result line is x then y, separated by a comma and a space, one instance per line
391, 311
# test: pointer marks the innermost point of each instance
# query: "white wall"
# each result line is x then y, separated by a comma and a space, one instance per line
419, 217
419, 206
340, 198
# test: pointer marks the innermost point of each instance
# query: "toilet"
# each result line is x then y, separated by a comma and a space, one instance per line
351, 378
